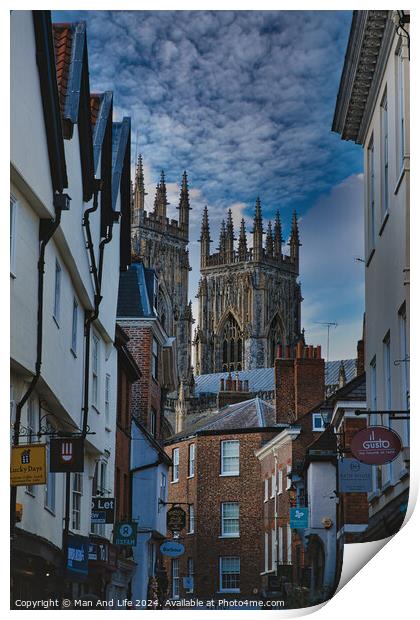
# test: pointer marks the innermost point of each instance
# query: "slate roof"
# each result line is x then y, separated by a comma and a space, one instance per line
100, 109
262, 379
135, 293
120, 141
250, 414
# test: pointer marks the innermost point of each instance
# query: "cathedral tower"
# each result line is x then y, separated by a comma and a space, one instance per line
249, 298
161, 244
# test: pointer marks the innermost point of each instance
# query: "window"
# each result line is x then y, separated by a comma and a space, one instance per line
191, 519
190, 574
31, 432
371, 194
230, 458
280, 544
384, 154
231, 345
175, 465
317, 422
273, 484
13, 218
74, 328
77, 493
289, 545
266, 489
288, 478
175, 578
49, 500
229, 574
191, 460
155, 359
57, 292
162, 490
400, 104
230, 519
280, 482
153, 419
103, 490
387, 372
273, 550
266, 551
107, 396
95, 369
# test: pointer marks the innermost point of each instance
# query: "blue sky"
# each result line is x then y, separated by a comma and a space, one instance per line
244, 100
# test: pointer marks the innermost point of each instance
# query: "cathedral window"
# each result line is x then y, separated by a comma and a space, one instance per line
231, 346
274, 339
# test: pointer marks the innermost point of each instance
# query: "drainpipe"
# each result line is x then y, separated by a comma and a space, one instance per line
47, 229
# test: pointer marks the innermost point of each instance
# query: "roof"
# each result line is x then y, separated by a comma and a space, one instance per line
135, 294
100, 109
249, 414
63, 39
120, 142
262, 379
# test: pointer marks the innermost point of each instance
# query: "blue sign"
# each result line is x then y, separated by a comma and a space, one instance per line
298, 518
125, 533
77, 554
354, 476
172, 548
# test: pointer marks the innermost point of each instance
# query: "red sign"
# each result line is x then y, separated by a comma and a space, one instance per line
376, 445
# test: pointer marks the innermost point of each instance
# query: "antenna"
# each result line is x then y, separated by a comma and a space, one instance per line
328, 324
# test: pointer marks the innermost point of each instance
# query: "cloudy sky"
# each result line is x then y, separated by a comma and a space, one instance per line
244, 100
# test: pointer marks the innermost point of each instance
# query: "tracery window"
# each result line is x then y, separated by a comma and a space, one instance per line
231, 346
275, 338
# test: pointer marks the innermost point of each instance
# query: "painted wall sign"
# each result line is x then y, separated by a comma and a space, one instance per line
298, 518
376, 445
125, 533
172, 548
103, 509
354, 476
176, 519
28, 465
66, 454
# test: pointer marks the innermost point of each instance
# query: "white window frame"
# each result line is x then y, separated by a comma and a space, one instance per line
266, 552
175, 465
384, 154
153, 421
155, 359
13, 230
371, 194
222, 561
316, 429
76, 501
50, 487
280, 544
273, 550
289, 544
57, 292
191, 518
107, 399
280, 481
266, 489
288, 479
163, 487
74, 321
176, 580
273, 485
225, 519
95, 370
191, 460
224, 471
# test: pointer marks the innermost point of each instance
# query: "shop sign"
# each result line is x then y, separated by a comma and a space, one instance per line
125, 533
176, 519
172, 548
354, 476
103, 509
77, 554
298, 518
376, 445
28, 466
98, 551
67, 454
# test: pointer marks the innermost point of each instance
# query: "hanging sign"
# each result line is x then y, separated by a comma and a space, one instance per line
125, 533
298, 518
354, 476
172, 548
28, 466
66, 454
77, 554
103, 509
376, 445
176, 519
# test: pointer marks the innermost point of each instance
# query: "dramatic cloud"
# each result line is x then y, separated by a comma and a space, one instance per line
243, 100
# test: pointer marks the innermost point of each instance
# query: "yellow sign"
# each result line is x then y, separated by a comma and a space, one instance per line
29, 465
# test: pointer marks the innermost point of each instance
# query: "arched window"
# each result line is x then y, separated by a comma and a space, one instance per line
231, 345
275, 337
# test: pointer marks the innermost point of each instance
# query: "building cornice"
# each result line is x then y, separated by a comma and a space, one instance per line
368, 49
289, 434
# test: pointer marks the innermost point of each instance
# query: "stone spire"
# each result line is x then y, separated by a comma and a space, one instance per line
294, 240
242, 244
184, 205
277, 236
205, 238
181, 409
222, 240
230, 238
258, 232
161, 201
269, 246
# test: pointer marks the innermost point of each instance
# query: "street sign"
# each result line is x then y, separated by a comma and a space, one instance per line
67, 454
103, 509
376, 445
354, 476
125, 533
188, 583
172, 548
29, 465
77, 554
176, 519
298, 518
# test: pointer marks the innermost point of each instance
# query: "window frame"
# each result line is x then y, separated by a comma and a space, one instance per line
107, 399
371, 194
155, 359
74, 330
384, 154
224, 519
176, 579
76, 506
191, 519
191, 460
95, 370
222, 573
175, 465
57, 292
223, 445
317, 416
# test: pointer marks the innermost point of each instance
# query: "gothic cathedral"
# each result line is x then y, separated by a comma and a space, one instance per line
249, 298
161, 244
